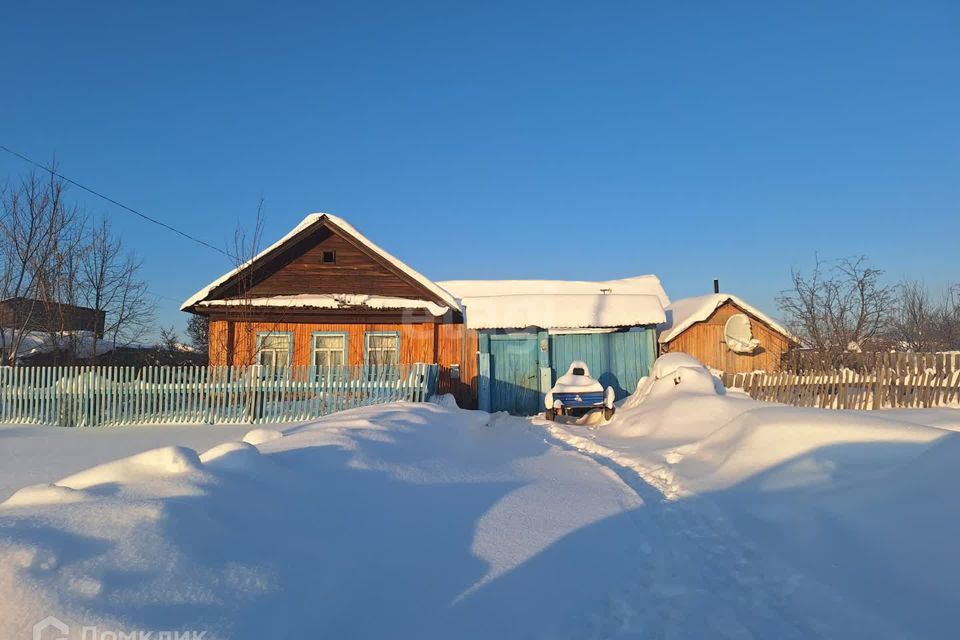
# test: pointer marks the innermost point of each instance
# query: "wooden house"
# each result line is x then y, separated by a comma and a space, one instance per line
29, 314
531, 330
325, 295
725, 333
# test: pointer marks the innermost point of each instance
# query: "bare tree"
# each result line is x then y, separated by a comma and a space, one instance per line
110, 282
914, 325
245, 247
844, 305
948, 323
198, 330
35, 226
53, 260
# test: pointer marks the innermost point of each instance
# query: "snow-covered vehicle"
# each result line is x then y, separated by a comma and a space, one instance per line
577, 392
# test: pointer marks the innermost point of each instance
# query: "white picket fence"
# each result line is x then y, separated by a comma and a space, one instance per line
94, 396
879, 389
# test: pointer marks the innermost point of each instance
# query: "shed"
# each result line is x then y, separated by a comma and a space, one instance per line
699, 326
531, 330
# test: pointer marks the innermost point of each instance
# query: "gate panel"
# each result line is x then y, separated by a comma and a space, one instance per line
514, 374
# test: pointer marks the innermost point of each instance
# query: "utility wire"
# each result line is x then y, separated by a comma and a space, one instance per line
112, 201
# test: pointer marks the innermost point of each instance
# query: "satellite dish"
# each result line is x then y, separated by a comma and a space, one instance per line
737, 334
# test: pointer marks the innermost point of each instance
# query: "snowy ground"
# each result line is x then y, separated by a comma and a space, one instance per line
693, 514
34, 454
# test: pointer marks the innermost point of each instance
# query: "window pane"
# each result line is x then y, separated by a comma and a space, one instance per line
282, 358
266, 358
321, 358
382, 341
275, 342
329, 342
391, 357
336, 358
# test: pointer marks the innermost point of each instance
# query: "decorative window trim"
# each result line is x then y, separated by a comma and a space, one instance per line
313, 346
264, 334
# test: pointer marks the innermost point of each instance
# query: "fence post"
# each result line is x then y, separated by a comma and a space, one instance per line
878, 387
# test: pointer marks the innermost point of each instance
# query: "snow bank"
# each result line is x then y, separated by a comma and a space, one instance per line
231, 456
403, 520
782, 447
855, 500
39, 494
681, 417
171, 460
262, 435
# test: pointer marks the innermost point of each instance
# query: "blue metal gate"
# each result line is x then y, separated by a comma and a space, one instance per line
618, 359
514, 374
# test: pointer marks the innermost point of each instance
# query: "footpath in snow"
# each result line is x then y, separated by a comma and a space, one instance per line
860, 503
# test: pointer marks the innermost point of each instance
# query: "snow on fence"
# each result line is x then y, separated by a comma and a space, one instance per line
94, 396
883, 388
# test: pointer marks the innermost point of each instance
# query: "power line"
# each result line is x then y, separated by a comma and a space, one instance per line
112, 201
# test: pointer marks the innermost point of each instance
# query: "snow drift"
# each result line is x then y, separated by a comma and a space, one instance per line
855, 498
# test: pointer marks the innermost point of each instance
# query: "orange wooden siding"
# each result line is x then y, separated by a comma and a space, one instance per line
459, 345
704, 341
444, 344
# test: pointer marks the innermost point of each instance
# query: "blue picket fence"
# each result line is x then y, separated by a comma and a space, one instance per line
95, 396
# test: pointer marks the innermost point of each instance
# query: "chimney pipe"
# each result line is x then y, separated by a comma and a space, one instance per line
716, 286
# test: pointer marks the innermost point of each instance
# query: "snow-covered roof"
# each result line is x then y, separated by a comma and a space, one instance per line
347, 228
333, 301
559, 310
81, 344
637, 285
684, 313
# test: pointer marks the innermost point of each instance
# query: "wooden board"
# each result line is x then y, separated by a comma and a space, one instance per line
705, 341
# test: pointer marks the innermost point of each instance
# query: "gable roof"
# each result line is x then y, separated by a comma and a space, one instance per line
686, 312
343, 228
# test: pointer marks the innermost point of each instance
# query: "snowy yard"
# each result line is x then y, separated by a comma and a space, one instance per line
692, 514
33, 454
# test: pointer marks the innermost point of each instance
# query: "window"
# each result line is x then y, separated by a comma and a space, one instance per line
383, 348
274, 349
329, 350
329, 257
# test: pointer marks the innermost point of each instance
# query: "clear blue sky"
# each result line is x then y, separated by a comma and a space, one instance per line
495, 140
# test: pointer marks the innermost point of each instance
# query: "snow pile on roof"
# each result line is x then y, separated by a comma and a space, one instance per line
312, 219
648, 285
549, 311
684, 313
332, 301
